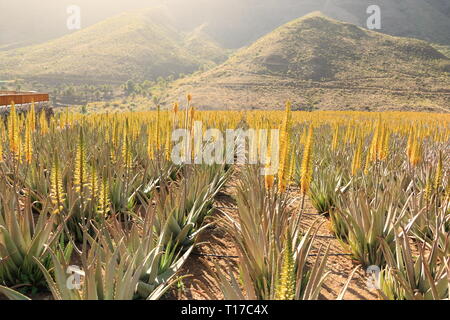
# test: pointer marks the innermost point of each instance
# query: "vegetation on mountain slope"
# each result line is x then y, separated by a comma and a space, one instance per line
318, 62
134, 45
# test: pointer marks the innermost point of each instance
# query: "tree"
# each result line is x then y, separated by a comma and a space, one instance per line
129, 87
156, 101
97, 95
312, 98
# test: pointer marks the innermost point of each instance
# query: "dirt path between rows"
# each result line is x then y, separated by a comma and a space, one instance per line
217, 246
339, 262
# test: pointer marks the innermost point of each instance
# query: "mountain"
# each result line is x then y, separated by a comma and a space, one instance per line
319, 62
235, 23
134, 45
232, 23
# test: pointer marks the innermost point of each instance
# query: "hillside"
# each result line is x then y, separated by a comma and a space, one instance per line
239, 22
428, 20
134, 45
445, 50
319, 62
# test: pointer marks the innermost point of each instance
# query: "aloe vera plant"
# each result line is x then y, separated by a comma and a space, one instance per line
116, 265
324, 189
366, 218
409, 276
271, 243
183, 210
24, 238
12, 294
104, 277
160, 270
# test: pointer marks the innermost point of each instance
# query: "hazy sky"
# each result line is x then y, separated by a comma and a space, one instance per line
21, 20
47, 18
234, 22
40, 20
